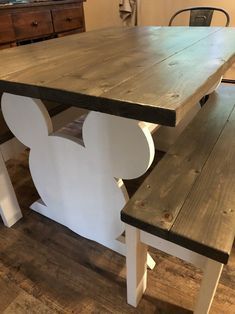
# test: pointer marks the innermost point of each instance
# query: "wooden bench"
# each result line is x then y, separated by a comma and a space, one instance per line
186, 206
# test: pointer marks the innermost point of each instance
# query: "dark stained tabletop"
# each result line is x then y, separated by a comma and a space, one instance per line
153, 74
189, 198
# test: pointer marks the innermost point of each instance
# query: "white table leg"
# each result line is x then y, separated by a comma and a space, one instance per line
208, 286
9, 207
136, 264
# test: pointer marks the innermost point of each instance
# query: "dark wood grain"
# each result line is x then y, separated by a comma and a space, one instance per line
179, 82
71, 32
4, 46
52, 52
26, 303
7, 33
32, 24
159, 200
206, 222
34, 21
42, 263
159, 205
9, 293
68, 18
150, 74
34, 5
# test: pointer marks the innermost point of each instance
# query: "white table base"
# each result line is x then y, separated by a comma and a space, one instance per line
9, 207
77, 183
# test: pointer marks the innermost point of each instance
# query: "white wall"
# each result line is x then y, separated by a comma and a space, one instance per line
101, 14
158, 12
104, 13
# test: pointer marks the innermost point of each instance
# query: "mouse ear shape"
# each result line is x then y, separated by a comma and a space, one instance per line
27, 118
119, 145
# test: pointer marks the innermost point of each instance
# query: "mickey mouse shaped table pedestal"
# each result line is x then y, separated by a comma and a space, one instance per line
80, 185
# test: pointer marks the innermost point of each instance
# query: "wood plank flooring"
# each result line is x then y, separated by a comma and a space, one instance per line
46, 268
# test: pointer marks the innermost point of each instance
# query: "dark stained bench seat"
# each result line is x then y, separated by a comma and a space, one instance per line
189, 197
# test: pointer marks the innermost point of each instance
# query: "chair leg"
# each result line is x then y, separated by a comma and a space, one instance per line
9, 207
136, 263
208, 287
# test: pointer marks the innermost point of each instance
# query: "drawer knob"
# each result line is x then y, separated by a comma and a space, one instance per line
68, 19
35, 23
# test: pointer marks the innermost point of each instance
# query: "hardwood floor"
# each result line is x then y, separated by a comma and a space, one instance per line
46, 268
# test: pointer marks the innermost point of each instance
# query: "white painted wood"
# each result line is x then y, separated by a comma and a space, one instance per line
150, 261
118, 143
9, 207
13, 147
77, 184
215, 86
32, 124
173, 249
136, 257
136, 265
208, 286
152, 127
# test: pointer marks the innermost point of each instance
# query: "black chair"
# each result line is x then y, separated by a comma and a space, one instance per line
201, 16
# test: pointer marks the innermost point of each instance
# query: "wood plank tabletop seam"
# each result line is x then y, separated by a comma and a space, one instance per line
173, 99
146, 75
164, 59
125, 80
57, 54
74, 52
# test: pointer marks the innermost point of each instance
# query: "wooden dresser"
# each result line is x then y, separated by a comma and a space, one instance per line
31, 22
27, 23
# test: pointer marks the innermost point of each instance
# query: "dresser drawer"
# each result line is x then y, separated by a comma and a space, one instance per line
32, 24
7, 33
65, 19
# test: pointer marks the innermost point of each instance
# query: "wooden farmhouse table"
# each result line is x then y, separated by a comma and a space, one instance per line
127, 78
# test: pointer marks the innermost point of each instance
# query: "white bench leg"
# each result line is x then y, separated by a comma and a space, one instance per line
9, 207
136, 264
208, 287
215, 86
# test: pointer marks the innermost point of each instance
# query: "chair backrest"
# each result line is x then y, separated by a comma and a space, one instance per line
201, 16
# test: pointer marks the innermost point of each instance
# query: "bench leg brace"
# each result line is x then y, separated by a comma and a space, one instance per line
9, 207
136, 264
208, 286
